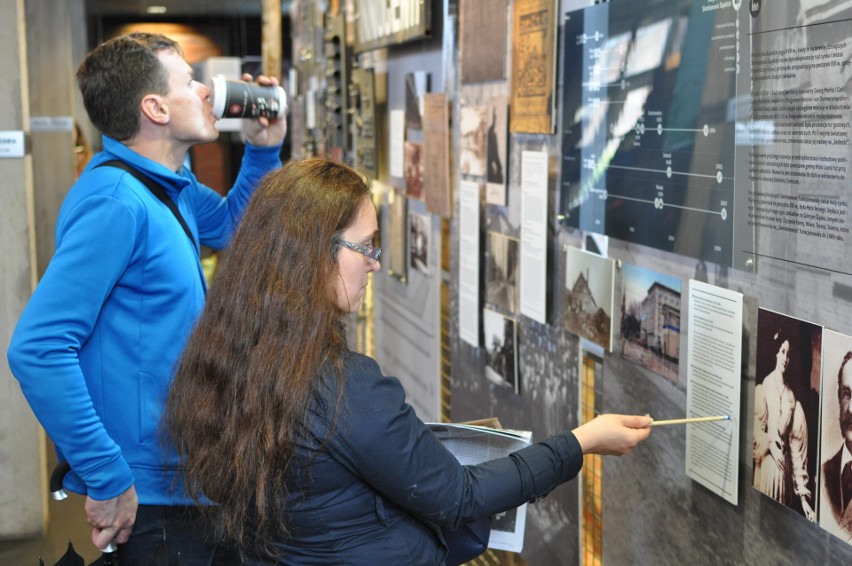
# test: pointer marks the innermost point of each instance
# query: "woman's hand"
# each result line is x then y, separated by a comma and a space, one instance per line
613, 435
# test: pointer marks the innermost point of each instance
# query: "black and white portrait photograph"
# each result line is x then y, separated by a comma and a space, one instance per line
473, 131
786, 410
650, 320
496, 159
835, 511
589, 294
501, 271
420, 229
501, 354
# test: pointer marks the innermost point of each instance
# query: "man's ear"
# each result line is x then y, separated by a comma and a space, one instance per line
154, 108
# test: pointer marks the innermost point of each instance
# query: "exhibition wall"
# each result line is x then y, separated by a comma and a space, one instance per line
646, 211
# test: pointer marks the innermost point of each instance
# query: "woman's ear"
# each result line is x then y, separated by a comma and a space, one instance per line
154, 108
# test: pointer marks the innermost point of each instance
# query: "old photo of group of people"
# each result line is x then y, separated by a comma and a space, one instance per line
802, 444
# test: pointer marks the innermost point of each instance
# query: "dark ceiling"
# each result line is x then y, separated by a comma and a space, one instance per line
177, 8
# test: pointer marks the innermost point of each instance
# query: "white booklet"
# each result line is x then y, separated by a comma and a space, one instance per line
474, 443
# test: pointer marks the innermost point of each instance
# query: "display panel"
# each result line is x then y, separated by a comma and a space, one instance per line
648, 135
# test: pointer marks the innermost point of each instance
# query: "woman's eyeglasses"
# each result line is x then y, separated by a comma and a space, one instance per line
368, 251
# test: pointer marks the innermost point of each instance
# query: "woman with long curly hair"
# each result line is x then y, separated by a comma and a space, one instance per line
309, 453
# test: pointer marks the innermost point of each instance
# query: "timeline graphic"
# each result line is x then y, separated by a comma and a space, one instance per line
648, 144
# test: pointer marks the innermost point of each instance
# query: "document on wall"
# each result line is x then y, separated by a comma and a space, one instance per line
713, 387
397, 142
469, 262
534, 235
474, 444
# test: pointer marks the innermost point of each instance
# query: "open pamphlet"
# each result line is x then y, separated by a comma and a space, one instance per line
479, 441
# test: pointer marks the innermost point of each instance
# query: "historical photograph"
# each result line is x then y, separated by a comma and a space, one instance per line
650, 320
501, 355
473, 128
501, 271
589, 280
786, 409
419, 228
496, 159
413, 166
835, 511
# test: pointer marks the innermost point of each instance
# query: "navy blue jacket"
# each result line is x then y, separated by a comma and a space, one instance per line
377, 490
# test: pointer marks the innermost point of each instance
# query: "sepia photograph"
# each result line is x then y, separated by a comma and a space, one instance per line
650, 320
413, 167
502, 256
473, 129
589, 294
786, 410
835, 511
501, 354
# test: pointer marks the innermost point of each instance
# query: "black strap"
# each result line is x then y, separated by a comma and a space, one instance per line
158, 191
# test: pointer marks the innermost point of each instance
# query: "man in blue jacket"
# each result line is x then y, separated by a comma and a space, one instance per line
95, 347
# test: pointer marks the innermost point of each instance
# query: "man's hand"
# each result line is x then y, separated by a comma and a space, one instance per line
112, 519
263, 131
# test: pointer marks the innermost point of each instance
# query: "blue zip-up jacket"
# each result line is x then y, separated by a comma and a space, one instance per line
95, 348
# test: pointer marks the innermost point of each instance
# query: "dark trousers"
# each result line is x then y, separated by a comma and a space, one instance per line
168, 536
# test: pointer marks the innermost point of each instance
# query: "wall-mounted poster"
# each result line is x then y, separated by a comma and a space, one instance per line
501, 271
416, 85
473, 139
501, 349
413, 166
786, 410
835, 511
650, 320
496, 158
420, 230
395, 244
483, 40
589, 295
533, 61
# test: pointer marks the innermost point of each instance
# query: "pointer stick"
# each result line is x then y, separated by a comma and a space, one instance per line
692, 420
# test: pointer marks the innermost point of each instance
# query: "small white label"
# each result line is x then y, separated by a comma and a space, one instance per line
51, 123
12, 144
